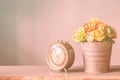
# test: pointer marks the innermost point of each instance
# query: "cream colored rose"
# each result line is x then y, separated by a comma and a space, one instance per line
90, 36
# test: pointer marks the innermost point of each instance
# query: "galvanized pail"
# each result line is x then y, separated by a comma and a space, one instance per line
96, 56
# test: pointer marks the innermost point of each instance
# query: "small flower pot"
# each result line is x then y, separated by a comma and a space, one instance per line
96, 56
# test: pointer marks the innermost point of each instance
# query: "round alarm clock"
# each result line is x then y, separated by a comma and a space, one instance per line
60, 55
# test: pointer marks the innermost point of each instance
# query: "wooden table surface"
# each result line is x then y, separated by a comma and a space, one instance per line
44, 73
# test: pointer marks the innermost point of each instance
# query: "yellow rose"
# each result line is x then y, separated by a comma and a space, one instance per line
99, 34
102, 26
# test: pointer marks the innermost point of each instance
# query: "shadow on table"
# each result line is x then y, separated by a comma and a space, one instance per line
115, 69
76, 69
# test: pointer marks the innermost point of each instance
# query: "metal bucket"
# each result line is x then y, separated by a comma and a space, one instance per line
96, 56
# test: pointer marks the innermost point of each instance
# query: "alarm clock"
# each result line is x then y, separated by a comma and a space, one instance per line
60, 55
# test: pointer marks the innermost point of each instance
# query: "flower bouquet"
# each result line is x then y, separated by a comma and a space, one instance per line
95, 31
96, 40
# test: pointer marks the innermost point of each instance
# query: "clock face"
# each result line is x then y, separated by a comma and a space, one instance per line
60, 56
57, 54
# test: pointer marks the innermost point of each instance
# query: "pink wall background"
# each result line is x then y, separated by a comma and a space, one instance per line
39, 23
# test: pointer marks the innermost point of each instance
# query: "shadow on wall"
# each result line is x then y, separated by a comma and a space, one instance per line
8, 32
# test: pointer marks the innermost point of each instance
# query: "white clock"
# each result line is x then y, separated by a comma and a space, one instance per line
60, 55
